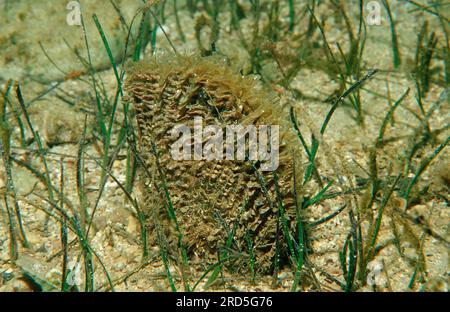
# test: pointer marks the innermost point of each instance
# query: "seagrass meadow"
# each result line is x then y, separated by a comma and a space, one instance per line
92, 198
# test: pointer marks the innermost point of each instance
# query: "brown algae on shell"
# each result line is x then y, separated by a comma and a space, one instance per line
212, 200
